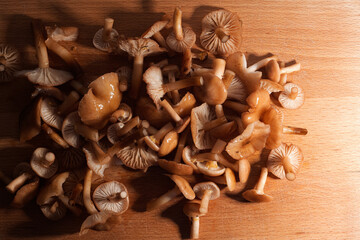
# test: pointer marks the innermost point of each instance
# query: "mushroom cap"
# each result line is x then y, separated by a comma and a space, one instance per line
52, 189
71, 158
230, 179
156, 27
26, 193
187, 154
154, 81
294, 156
271, 86
9, 62
256, 196
200, 188
102, 99
192, 209
212, 91
93, 220
273, 70
124, 72
68, 130
237, 90
187, 42
170, 68
209, 171
111, 197
30, 120
49, 92
137, 156
183, 186
229, 23
48, 113
102, 45
289, 103
128, 115
62, 34
37, 166
199, 116
54, 209
46, 76
273, 119
169, 143
251, 140
112, 132
96, 161
75, 177
175, 168
140, 47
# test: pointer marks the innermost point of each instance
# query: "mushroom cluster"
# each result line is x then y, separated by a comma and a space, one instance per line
188, 119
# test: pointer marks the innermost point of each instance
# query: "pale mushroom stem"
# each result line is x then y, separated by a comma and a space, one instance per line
222, 35
87, 132
181, 146
108, 26
219, 111
78, 87
214, 123
162, 132
65, 200
259, 187
136, 76
186, 62
75, 195
195, 226
228, 164
175, 95
227, 78
119, 114
177, 24
219, 67
260, 64
68, 103
173, 114
184, 83
294, 130
163, 199
162, 42
205, 201
128, 126
40, 46
219, 146
288, 168
237, 107
15, 184
283, 79
54, 136
290, 69
244, 170
101, 156
5, 179
89, 205
294, 93
48, 160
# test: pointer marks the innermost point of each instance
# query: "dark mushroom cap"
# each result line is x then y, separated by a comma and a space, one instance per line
48, 113
200, 188
37, 165
26, 193
187, 42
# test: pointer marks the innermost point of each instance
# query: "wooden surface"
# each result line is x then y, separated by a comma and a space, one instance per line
322, 203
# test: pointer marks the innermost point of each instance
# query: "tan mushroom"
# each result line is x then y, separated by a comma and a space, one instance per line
26, 193
30, 120
97, 159
257, 194
271, 86
274, 71
154, 140
292, 97
124, 74
221, 32
48, 113
111, 197
175, 167
206, 191
73, 187
123, 114
44, 163
22, 173
154, 32
285, 161
259, 103
181, 123
105, 38
169, 143
192, 211
9, 62
57, 33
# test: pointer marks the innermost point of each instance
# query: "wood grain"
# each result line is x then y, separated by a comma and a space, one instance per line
322, 203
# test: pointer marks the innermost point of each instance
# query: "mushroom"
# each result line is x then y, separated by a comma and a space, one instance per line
187, 156
105, 38
181, 124
54, 209
171, 71
274, 71
54, 136
44, 75
49, 92
175, 167
71, 158
124, 74
259, 103
62, 33
154, 141
236, 90
102, 99
156, 89
285, 161
26, 193
123, 114
93, 221
48, 113
9, 62
271, 86
226, 131
182, 187
192, 211
257, 194
181, 145
96, 159
138, 48
292, 97
22, 173
73, 187
88, 203
239, 108
169, 143
69, 104
44, 163
111, 197
30, 120
221, 32
206, 191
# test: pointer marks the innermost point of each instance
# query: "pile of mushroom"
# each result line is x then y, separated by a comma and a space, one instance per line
187, 119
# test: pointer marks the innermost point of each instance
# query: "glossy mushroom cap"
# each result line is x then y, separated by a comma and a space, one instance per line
9, 62
221, 32
183, 186
259, 103
292, 97
187, 42
123, 114
175, 168
273, 71
111, 197
169, 143
44, 163
140, 47
49, 113
155, 28
213, 91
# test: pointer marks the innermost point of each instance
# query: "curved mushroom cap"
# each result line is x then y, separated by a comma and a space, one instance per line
199, 116
229, 23
102, 45
187, 154
124, 74
48, 113
200, 188
187, 42
39, 160
169, 143
175, 168
140, 47
94, 220
96, 159
255, 196
285, 152
237, 90
49, 92
26, 193
9, 62
292, 97
54, 209
154, 81
46, 76
137, 157
259, 103
271, 86
75, 178
213, 90
52, 189
251, 140
273, 70
273, 119
102, 99
112, 132
111, 197
183, 186
71, 158
68, 130
206, 169
124, 116
192, 209
155, 28
62, 33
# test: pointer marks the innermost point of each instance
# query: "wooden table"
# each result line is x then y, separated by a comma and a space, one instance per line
322, 203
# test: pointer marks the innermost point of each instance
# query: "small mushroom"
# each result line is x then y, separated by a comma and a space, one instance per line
26, 193
187, 157
271, 86
285, 161
62, 33
122, 115
154, 32
73, 187
181, 123
274, 71
49, 114
22, 173
181, 145
105, 38
169, 143
93, 221
9, 62
44, 163
221, 32
111, 197
96, 159
292, 97
182, 187
206, 191
154, 141
259, 103
175, 167
192, 211
124, 74
212, 91
30, 120
257, 194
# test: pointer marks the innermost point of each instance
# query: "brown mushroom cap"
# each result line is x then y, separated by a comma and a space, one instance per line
230, 26
111, 197
259, 103
187, 154
54, 209
26, 193
206, 168
123, 114
200, 189
285, 161
192, 209
169, 143
52, 189
175, 168
213, 90
136, 156
9, 62
187, 42
183, 186
273, 71
271, 86
257, 194
292, 97
39, 163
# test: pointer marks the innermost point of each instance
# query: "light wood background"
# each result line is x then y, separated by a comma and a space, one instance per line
322, 203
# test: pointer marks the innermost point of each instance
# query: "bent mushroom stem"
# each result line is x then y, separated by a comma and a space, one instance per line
244, 170
221, 35
15, 184
54, 136
262, 180
89, 205
205, 201
163, 199
294, 130
108, 25
289, 170
214, 123
237, 107
136, 76
128, 126
195, 226
40, 46
184, 83
177, 24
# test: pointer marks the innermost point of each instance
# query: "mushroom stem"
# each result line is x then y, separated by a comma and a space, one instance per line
290, 69
186, 62
119, 114
205, 201
48, 160
76, 193
227, 78
136, 76
15, 184
174, 94
283, 79
163, 199
294, 92
288, 168
237, 107
177, 24
89, 205
181, 146
184, 83
87, 132
244, 170
40, 46
218, 147
227, 163
108, 26
5, 179
68, 103
65, 200
260, 64
195, 226
214, 123
128, 126
219, 67
101, 156
219, 111
78, 87
54, 136
294, 130
221, 35
173, 114
259, 187
161, 64
162, 42
162, 132
140, 133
